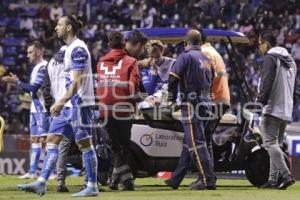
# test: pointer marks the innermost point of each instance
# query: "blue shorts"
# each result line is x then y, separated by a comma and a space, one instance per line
73, 123
39, 124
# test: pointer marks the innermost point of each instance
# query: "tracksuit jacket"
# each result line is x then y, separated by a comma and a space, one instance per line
276, 85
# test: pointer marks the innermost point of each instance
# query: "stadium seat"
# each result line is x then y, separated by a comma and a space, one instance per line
14, 41
3, 22
10, 50
31, 12
9, 61
22, 41
22, 56
14, 24
10, 41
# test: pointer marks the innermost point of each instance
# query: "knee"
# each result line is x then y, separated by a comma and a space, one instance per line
269, 142
200, 141
270, 145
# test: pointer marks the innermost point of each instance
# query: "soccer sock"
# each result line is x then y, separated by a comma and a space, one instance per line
41, 161
34, 157
49, 162
91, 165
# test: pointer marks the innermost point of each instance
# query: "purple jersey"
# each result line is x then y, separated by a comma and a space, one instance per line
193, 69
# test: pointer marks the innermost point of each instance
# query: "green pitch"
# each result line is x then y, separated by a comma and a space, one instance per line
154, 189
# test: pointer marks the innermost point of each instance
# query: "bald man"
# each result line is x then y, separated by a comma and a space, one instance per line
193, 72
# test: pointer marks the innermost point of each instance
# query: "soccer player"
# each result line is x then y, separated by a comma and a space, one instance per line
53, 91
73, 112
39, 119
156, 74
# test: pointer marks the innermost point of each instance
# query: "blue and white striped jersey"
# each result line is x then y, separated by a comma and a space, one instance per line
57, 77
77, 58
36, 79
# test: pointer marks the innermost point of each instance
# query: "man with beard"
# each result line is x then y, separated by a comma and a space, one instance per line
73, 111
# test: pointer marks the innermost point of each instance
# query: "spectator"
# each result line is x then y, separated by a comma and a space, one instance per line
247, 11
296, 52
56, 12
137, 14
1, 51
90, 31
26, 23
246, 27
147, 21
43, 12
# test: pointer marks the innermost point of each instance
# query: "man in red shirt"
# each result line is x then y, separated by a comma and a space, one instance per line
118, 86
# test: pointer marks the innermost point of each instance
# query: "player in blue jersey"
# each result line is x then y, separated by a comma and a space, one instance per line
39, 119
72, 113
53, 91
155, 73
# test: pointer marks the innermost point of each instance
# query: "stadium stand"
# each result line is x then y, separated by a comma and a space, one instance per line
246, 16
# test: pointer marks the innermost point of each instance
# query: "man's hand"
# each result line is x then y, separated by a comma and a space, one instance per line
145, 63
57, 107
12, 79
170, 104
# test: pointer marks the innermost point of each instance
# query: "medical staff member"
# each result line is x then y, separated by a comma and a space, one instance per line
135, 43
220, 94
193, 72
118, 86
